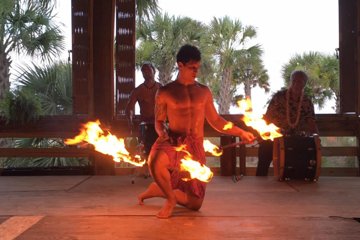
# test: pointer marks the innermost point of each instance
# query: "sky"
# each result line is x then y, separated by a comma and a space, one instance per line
284, 28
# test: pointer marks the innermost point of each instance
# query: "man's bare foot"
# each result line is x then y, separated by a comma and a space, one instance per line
141, 199
152, 191
167, 209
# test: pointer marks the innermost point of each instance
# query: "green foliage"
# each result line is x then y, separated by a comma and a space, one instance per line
20, 107
28, 27
225, 48
145, 9
323, 71
236, 60
51, 84
160, 39
40, 91
43, 90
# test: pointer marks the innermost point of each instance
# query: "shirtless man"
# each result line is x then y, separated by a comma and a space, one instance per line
183, 104
144, 94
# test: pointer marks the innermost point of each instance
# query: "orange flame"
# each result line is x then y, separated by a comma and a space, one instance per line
256, 121
105, 143
196, 169
212, 148
228, 125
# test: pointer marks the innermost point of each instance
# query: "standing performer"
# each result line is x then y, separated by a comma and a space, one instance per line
180, 112
144, 94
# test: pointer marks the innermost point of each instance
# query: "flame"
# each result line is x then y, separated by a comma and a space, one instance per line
212, 148
196, 169
105, 143
228, 125
256, 121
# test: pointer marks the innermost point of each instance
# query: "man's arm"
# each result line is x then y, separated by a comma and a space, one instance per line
310, 118
312, 126
218, 122
160, 115
130, 106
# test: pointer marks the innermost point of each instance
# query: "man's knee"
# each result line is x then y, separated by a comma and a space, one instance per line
195, 203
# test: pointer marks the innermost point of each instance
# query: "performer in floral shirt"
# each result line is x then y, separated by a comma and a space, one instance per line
293, 112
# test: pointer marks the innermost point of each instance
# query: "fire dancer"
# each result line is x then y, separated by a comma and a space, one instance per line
180, 111
144, 94
293, 112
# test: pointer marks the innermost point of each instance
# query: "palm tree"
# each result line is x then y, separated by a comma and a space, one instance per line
229, 39
51, 84
160, 39
323, 74
330, 72
40, 91
145, 10
26, 26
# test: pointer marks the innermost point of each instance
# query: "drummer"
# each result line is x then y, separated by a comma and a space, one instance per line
293, 112
144, 95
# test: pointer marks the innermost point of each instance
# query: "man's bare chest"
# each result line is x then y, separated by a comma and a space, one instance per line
186, 98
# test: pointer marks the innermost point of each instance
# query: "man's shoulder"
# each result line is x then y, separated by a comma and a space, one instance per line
280, 93
202, 85
168, 85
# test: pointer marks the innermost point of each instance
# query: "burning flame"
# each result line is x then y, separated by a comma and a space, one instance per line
256, 121
105, 143
228, 125
196, 169
212, 148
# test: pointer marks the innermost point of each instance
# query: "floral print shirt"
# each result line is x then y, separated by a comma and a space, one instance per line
276, 113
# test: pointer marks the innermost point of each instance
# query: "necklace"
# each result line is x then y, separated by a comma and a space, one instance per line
150, 86
291, 124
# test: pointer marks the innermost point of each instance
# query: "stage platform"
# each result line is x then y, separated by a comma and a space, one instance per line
105, 207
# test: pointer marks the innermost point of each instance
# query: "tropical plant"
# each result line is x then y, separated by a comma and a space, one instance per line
323, 71
233, 56
50, 84
26, 27
160, 39
145, 10
40, 91
20, 107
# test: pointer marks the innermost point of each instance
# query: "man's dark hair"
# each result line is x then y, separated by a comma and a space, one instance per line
188, 53
148, 64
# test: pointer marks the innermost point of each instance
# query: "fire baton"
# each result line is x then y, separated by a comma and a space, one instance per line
239, 143
237, 178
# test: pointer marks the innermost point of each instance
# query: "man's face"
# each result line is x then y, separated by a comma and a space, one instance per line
147, 72
189, 69
298, 83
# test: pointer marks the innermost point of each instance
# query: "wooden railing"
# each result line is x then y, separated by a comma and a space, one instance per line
68, 126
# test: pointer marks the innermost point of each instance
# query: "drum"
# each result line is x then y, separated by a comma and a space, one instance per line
297, 157
147, 136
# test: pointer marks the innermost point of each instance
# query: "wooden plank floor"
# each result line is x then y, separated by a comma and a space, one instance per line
105, 207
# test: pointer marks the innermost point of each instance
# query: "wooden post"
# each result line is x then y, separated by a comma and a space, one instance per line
348, 55
82, 57
228, 158
103, 73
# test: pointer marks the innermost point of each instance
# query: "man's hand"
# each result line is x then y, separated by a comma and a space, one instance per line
163, 137
247, 137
